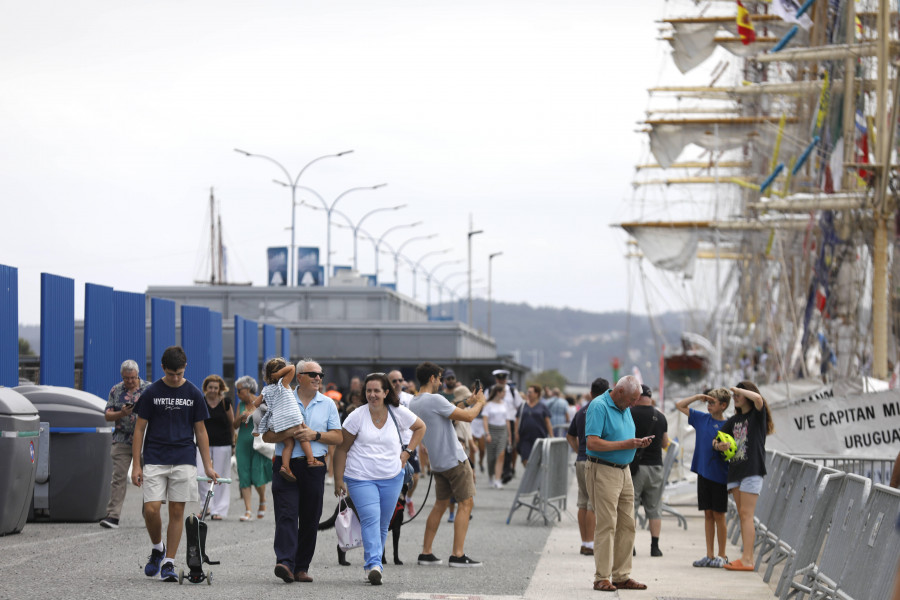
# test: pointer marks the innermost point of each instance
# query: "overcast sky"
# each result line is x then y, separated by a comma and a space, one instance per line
117, 118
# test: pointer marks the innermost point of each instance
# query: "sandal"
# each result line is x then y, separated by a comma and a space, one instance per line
604, 585
739, 566
630, 584
247, 516
215, 518
261, 512
287, 475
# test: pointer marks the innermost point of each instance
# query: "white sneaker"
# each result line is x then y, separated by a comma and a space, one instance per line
329, 479
375, 576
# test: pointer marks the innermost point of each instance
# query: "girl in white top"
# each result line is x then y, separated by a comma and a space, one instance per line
283, 413
370, 463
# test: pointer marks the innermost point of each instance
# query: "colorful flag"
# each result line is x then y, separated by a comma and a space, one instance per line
744, 26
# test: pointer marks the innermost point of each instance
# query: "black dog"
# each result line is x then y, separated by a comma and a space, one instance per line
394, 527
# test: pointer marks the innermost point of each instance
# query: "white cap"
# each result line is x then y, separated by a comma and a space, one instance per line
500, 372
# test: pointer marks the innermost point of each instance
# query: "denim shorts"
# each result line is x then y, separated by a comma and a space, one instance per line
748, 485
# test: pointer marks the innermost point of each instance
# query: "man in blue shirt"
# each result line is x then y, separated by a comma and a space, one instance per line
609, 430
298, 504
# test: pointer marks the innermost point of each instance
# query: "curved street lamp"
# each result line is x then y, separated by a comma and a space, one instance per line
397, 252
328, 210
423, 257
491, 258
293, 185
429, 275
355, 227
442, 285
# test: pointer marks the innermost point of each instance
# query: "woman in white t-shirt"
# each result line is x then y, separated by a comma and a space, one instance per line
370, 464
496, 428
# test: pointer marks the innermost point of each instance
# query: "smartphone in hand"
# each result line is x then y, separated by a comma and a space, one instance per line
478, 386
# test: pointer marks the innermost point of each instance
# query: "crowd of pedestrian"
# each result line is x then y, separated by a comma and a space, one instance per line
383, 432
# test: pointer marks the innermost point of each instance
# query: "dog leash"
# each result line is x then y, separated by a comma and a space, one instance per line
424, 500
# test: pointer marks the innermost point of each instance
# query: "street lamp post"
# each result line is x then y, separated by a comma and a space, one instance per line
397, 257
471, 233
328, 211
491, 258
356, 227
470, 281
293, 185
423, 257
443, 285
430, 274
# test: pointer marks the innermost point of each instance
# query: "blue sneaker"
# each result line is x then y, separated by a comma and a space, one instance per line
152, 567
167, 573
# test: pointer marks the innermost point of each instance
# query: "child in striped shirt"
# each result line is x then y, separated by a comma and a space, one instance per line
283, 413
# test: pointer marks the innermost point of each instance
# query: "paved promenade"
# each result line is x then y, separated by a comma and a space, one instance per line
523, 560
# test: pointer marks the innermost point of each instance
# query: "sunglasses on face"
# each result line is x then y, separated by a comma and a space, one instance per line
312, 374
396, 381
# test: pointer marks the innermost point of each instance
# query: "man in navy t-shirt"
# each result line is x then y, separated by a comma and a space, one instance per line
170, 414
578, 442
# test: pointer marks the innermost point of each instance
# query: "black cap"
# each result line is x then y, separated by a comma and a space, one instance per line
645, 391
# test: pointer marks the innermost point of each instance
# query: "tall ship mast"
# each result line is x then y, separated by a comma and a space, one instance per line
767, 199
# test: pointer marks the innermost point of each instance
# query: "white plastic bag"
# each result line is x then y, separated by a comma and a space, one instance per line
264, 448
349, 533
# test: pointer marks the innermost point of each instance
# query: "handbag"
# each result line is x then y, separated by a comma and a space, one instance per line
408, 470
264, 448
346, 524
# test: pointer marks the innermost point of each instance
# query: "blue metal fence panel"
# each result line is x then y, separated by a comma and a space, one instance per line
215, 342
195, 341
99, 368
286, 344
240, 366
268, 346
251, 348
131, 330
162, 332
57, 330
9, 326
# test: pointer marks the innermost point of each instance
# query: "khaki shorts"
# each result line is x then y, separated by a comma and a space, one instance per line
458, 483
648, 488
583, 500
175, 483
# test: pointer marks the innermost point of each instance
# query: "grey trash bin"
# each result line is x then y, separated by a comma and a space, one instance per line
19, 435
80, 467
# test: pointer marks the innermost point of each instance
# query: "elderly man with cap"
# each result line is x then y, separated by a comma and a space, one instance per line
647, 466
513, 401
611, 444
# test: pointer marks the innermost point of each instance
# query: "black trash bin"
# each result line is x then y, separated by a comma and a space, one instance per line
19, 435
80, 467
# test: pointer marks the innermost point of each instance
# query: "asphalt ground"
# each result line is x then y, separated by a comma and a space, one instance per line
522, 560
84, 560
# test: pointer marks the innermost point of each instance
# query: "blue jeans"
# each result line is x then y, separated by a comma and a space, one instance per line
375, 501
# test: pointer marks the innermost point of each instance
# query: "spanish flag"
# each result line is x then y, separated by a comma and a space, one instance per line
744, 26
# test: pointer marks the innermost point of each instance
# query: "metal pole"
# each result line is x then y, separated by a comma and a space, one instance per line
471, 233
292, 183
491, 258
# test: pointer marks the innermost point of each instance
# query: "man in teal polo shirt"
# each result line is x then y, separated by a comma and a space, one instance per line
611, 444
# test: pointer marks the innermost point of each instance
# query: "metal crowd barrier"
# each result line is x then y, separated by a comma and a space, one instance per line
545, 481
877, 469
672, 454
834, 531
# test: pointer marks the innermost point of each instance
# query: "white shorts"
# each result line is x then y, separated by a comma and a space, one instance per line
175, 483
